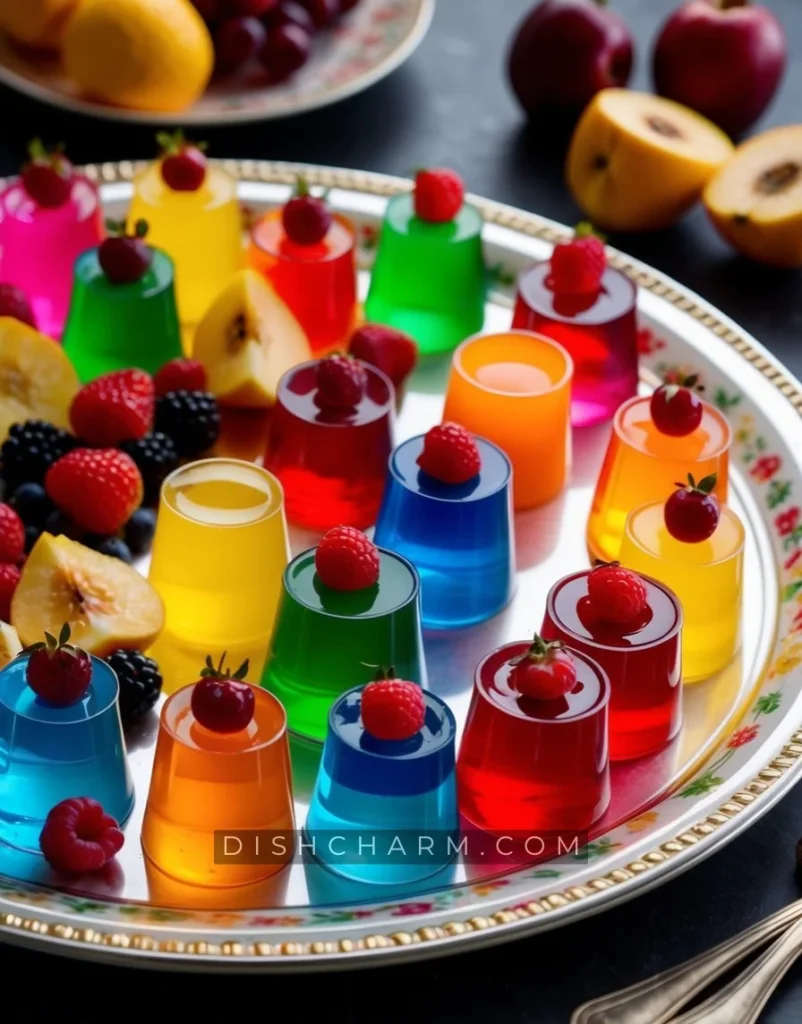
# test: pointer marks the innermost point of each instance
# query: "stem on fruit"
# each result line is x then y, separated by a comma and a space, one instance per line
725, 5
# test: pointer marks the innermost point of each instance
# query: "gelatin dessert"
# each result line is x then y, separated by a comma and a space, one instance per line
48, 217
330, 436
58, 741
123, 310
694, 545
590, 309
195, 218
632, 627
218, 555
220, 809
384, 808
346, 608
307, 253
448, 509
644, 460
534, 754
429, 279
515, 390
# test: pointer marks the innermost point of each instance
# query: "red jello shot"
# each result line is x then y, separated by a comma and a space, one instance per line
332, 464
530, 765
643, 663
599, 331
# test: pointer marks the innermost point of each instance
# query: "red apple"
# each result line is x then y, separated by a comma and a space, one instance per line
565, 52
723, 58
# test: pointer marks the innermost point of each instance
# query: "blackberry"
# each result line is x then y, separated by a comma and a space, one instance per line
30, 450
140, 683
191, 419
155, 456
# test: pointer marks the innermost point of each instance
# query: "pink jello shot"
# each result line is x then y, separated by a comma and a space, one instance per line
526, 765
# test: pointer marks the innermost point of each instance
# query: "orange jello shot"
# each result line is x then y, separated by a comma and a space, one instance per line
221, 781
515, 390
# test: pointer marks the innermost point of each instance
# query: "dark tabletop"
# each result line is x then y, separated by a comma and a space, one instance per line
450, 106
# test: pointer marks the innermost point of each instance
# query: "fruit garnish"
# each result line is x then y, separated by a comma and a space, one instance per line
30, 450
191, 419
347, 560
97, 487
578, 266
79, 837
221, 701
57, 671
9, 580
392, 709
692, 512
291, 12
180, 375
48, 176
31, 503
323, 12
10, 646
183, 163
113, 547
12, 535
450, 454
546, 672
676, 408
114, 408
439, 195
341, 383
616, 595
155, 456
254, 8
389, 350
14, 302
306, 218
124, 258
237, 41
140, 529
140, 683
287, 49
107, 603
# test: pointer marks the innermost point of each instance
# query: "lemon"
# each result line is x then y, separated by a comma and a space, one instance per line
144, 54
10, 646
36, 22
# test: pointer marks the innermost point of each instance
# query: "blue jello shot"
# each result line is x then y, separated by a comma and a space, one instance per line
385, 811
459, 537
49, 754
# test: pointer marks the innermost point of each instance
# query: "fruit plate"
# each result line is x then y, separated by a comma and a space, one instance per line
739, 751
370, 43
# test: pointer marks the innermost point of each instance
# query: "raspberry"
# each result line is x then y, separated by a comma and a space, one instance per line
183, 166
155, 456
616, 595
577, 267
12, 535
389, 350
30, 450
341, 383
124, 258
305, 218
546, 672
48, 176
347, 560
9, 578
692, 513
393, 709
450, 454
97, 487
676, 409
140, 683
79, 836
114, 408
58, 672
180, 375
439, 195
14, 303
221, 701
191, 419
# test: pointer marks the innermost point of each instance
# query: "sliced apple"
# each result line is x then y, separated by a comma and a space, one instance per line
37, 380
10, 646
107, 603
247, 341
638, 162
755, 200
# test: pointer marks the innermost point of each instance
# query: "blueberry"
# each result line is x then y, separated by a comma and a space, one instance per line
59, 523
139, 531
32, 504
32, 535
116, 548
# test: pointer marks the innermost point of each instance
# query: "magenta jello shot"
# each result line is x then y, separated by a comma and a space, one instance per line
643, 661
599, 331
534, 765
332, 463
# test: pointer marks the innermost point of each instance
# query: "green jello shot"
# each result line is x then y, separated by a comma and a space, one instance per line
429, 280
326, 641
117, 326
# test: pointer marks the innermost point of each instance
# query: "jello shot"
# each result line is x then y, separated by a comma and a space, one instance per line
534, 754
448, 509
515, 390
308, 254
55, 749
123, 310
695, 546
429, 279
590, 309
218, 556
48, 217
644, 461
220, 809
632, 626
347, 608
329, 440
384, 808
194, 216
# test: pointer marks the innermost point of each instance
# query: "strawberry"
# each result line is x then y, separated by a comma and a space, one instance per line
183, 166
57, 671
389, 350
617, 595
125, 258
48, 176
14, 303
99, 488
180, 375
9, 578
546, 672
439, 195
578, 266
393, 709
114, 408
306, 218
346, 560
450, 454
12, 535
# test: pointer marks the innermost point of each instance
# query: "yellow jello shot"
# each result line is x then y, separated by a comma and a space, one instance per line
695, 546
192, 210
